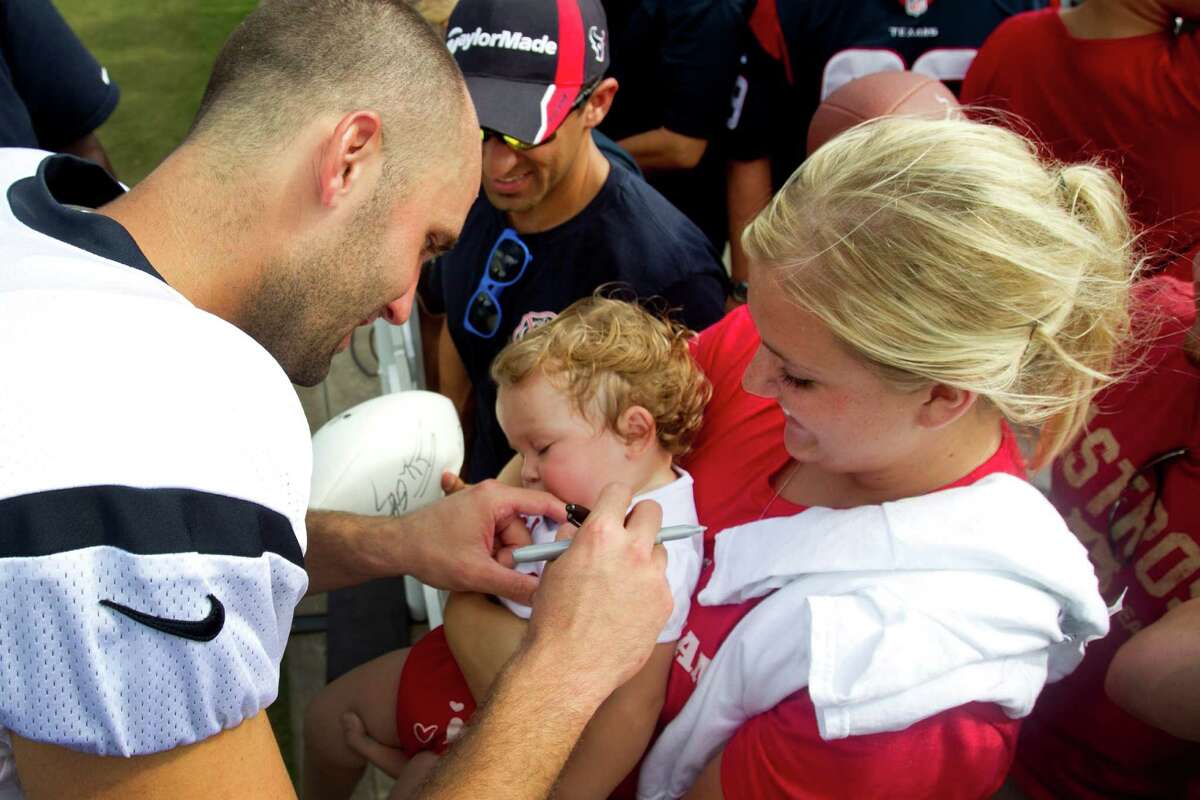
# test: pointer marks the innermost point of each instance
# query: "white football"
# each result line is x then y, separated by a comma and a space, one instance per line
386, 456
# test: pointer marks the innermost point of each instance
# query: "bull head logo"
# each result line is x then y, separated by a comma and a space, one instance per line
596, 38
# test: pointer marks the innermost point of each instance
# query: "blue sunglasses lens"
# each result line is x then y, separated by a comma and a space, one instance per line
506, 262
483, 314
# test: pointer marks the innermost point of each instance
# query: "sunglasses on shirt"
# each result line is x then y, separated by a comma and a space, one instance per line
505, 266
1154, 469
522, 146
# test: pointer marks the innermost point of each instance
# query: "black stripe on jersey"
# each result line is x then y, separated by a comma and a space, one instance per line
144, 522
43, 202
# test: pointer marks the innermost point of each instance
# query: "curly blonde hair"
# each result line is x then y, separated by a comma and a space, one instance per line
610, 355
946, 251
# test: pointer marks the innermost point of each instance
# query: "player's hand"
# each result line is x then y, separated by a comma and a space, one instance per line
509, 538
454, 543
602, 604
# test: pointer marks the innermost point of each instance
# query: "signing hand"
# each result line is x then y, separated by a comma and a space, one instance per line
602, 604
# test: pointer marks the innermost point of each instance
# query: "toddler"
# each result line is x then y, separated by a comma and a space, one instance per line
605, 392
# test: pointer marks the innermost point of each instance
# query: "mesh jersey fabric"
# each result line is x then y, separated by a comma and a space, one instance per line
161, 465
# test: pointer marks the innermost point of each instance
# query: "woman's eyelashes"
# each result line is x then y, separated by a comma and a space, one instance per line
797, 383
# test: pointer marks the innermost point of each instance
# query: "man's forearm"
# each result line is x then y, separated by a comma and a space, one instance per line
521, 737
748, 192
664, 149
1155, 676
243, 761
618, 733
346, 550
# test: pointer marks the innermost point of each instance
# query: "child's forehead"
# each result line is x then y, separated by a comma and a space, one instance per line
539, 392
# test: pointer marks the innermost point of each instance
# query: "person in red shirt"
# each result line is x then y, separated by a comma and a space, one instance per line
915, 288
1129, 487
1115, 80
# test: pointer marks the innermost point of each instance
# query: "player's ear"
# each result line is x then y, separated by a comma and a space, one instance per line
355, 140
636, 426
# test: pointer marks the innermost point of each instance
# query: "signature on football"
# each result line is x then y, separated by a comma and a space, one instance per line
412, 482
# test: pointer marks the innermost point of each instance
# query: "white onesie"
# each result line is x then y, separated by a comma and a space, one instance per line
683, 555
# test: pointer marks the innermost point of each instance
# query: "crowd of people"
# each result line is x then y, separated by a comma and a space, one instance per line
850, 357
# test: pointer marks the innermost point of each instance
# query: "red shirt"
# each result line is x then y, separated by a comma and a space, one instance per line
964, 752
1078, 743
1134, 103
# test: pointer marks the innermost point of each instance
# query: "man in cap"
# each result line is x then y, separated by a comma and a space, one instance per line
555, 221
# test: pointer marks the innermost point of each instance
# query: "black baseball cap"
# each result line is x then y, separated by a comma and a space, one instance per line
526, 61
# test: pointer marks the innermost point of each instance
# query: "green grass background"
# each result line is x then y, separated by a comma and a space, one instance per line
160, 52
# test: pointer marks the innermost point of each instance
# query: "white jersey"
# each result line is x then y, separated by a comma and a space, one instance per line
154, 475
683, 555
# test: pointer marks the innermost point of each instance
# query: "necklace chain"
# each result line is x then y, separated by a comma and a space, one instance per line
791, 474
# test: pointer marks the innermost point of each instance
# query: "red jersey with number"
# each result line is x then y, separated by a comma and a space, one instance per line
1134, 103
1078, 743
964, 752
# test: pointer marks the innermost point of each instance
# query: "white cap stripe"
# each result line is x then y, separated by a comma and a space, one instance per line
550, 90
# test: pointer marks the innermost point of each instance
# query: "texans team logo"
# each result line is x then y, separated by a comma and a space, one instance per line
597, 38
915, 8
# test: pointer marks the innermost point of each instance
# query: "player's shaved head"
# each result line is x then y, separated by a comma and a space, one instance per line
291, 60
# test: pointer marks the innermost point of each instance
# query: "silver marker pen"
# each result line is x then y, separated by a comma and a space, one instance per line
552, 550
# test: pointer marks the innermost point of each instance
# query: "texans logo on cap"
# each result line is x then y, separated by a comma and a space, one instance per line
526, 63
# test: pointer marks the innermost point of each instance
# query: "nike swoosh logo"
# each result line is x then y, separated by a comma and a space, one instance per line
203, 630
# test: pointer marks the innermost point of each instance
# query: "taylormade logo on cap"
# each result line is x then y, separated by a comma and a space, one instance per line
457, 40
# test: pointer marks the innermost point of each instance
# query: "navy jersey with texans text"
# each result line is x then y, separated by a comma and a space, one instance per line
803, 50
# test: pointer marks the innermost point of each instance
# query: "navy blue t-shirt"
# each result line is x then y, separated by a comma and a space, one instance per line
675, 63
628, 235
52, 91
804, 50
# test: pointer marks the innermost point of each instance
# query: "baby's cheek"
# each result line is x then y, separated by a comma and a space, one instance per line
577, 485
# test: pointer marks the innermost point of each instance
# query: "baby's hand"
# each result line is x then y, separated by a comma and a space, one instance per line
451, 483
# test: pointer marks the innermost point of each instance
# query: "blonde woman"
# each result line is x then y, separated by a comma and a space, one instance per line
917, 289
882, 595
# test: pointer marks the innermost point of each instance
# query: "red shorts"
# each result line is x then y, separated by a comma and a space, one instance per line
433, 703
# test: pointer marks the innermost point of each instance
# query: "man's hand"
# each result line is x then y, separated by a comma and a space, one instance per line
595, 620
451, 544
602, 604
